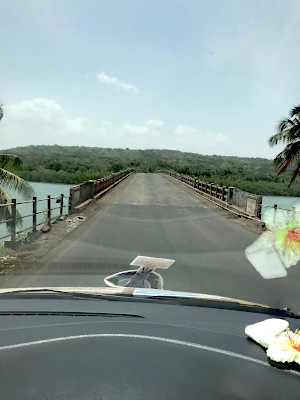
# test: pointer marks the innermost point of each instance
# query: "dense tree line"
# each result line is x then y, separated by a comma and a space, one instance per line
61, 164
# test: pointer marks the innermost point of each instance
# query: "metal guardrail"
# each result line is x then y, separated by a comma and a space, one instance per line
14, 218
276, 216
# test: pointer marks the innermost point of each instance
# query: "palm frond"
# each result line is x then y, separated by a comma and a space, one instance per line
4, 198
292, 149
10, 162
1, 112
283, 166
296, 172
287, 156
288, 132
279, 159
5, 212
273, 140
295, 111
12, 181
294, 132
281, 163
284, 124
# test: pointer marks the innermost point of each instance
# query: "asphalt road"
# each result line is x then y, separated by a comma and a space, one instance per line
148, 214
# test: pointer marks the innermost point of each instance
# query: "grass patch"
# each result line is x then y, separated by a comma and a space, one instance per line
8, 259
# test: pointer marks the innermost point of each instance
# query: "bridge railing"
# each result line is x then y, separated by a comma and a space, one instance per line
89, 189
249, 203
26, 216
275, 215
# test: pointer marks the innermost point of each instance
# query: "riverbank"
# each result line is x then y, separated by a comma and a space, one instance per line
29, 255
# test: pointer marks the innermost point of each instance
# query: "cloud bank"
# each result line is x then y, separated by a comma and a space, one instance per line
44, 121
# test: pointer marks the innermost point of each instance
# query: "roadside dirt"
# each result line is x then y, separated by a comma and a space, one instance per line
44, 242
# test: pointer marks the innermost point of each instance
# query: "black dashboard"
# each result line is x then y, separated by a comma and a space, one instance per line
98, 349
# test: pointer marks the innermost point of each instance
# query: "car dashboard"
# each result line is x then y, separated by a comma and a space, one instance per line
100, 349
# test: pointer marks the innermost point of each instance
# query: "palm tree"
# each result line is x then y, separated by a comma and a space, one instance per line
288, 132
9, 165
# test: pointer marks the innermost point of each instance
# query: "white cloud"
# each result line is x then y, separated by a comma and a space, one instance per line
184, 138
111, 80
199, 138
39, 121
44, 121
187, 131
145, 131
154, 123
135, 129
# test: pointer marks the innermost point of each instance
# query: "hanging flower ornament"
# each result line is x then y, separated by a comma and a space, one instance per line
279, 248
282, 344
285, 348
288, 237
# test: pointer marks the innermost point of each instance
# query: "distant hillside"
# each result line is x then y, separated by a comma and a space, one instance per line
62, 164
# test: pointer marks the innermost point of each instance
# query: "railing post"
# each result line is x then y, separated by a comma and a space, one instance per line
61, 210
70, 204
14, 220
34, 208
259, 210
49, 209
210, 189
12, 243
275, 214
230, 194
259, 207
223, 193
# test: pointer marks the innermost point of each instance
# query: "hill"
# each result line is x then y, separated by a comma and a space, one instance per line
64, 164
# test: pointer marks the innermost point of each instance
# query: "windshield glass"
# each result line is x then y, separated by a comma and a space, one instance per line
162, 129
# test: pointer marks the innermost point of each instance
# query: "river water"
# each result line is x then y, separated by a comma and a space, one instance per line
42, 190
281, 201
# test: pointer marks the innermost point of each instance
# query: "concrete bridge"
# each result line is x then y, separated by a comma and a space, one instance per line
155, 215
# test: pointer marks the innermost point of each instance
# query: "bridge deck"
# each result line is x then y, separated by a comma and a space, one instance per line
148, 214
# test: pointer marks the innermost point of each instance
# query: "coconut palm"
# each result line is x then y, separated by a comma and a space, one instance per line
9, 165
288, 132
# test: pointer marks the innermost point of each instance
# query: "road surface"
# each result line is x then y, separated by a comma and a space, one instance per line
149, 214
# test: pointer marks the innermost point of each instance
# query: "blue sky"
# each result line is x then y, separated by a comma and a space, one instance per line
212, 77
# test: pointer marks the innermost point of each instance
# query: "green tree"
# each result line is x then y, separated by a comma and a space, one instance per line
288, 133
9, 165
